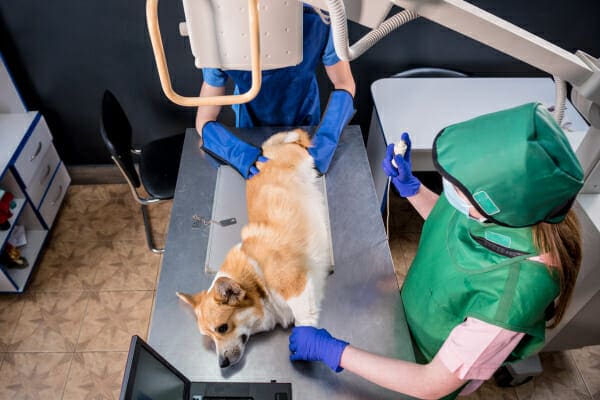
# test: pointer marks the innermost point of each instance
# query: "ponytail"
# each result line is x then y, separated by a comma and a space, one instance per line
562, 242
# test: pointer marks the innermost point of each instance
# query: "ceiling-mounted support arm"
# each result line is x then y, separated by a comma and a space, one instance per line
163, 70
499, 34
580, 70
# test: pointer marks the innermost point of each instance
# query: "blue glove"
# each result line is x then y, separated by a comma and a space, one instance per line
312, 344
402, 178
338, 113
225, 146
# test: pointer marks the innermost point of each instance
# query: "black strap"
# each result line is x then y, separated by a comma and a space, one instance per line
498, 249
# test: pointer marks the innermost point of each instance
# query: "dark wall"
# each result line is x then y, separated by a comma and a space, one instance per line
64, 53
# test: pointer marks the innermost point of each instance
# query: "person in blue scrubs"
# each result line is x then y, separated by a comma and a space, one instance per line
288, 97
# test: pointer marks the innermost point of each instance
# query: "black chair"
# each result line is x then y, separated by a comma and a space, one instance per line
158, 160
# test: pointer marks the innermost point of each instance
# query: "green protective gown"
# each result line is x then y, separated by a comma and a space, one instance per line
518, 169
465, 268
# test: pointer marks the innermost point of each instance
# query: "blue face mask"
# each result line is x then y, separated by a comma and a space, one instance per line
456, 201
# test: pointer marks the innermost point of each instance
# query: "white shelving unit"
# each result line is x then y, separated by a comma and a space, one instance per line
31, 170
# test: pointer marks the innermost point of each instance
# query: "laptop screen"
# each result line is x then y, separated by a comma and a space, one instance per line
149, 378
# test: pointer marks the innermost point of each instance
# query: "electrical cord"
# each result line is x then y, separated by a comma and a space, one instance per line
387, 209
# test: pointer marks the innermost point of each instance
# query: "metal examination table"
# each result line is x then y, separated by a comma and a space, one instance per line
362, 304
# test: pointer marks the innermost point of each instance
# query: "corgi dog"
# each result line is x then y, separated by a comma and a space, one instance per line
277, 274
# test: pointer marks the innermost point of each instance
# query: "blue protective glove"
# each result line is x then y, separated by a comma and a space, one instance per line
225, 146
312, 344
338, 113
402, 178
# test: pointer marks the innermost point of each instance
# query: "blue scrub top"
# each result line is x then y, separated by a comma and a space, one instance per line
288, 96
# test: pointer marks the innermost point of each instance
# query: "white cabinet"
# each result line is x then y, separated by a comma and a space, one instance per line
31, 170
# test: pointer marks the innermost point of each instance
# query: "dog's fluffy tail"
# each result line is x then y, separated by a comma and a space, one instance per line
297, 136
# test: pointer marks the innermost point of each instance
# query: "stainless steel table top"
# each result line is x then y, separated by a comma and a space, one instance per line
362, 304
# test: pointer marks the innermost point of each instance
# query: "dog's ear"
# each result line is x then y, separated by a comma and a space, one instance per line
227, 291
188, 298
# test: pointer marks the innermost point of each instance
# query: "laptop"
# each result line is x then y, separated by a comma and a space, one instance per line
148, 376
229, 205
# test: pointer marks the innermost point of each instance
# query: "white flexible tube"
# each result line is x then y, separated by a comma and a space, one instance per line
561, 98
339, 26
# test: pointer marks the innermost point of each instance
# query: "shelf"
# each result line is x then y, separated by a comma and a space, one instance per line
24, 135
31, 251
4, 235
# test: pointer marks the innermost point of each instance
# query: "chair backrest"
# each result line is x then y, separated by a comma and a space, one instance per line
116, 133
429, 72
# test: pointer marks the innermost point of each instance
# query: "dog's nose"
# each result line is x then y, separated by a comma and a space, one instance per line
224, 362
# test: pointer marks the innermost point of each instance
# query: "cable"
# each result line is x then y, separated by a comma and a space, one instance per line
561, 99
387, 212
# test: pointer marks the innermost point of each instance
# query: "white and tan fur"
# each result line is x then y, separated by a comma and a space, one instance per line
276, 275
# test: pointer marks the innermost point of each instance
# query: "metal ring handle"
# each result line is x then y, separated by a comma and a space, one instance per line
163, 70
60, 190
48, 170
37, 151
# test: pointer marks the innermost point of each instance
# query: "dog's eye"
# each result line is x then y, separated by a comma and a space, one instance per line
222, 328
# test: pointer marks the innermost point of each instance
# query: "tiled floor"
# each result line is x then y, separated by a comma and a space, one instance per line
67, 336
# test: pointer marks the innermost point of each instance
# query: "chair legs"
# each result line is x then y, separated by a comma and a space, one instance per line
148, 228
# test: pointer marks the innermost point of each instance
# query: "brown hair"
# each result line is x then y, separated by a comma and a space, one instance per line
562, 242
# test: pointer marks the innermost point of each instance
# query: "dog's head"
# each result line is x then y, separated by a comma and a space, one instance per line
228, 312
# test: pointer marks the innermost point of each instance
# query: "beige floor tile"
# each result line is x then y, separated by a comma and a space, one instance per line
34, 376
160, 214
401, 209
397, 251
405, 221
112, 318
404, 231
399, 203
158, 272
409, 243
92, 198
98, 212
95, 376
112, 220
124, 266
490, 391
66, 266
78, 194
560, 380
10, 311
587, 360
115, 218
49, 322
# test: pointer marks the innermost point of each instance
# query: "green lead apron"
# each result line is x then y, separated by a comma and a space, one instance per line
464, 268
